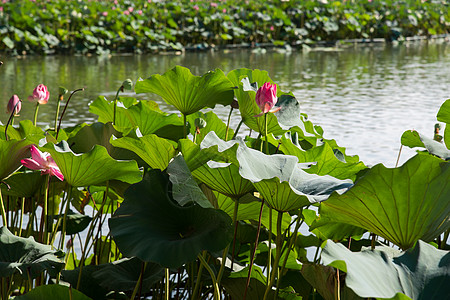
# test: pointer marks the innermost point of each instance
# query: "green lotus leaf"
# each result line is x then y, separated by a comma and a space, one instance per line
53, 291
155, 151
184, 188
92, 168
224, 178
123, 275
105, 110
444, 112
282, 182
75, 222
247, 82
326, 229
195, 157
323, 279
235, 284
422, 272
23, 184
327, 163
249, 206
189, 93
26, 130
11, 153
150, 120
225, 150
150, 226
26, 257
411, 138
213, 123
89, 285
402, 204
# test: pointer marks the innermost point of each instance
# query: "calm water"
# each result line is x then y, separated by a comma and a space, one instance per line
363, 97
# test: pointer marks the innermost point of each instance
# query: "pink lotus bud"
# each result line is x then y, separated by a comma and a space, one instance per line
12, 104
266, 98
105, 13
195, 7
213, 4
40, 95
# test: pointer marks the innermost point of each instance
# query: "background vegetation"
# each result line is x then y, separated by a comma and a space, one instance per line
151, 26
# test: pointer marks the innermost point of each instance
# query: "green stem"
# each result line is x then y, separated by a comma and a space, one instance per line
225, 252
254, 251
265, 133
213, 277
184, 126
279, 243
22, 207
197, 282
11, 119
36, 113
63, 231
269, 256
2, 208
237, 129
58, 104
64, 110
228, 124
45, 210
138, 283
115, 103
167, 294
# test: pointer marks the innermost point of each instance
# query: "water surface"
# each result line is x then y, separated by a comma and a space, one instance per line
364, 97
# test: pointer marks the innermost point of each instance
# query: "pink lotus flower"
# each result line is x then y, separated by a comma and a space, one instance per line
40, 95
130, 9
266, 98
213, 4
126, 12
140, 12
196, 7
43, 162
12, 103
105, 13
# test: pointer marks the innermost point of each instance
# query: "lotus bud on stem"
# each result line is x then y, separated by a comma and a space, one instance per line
62, 92
14, 107
40, 96
126, 85
64, 110
199, 124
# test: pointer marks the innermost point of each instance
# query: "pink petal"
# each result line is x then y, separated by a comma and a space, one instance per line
275, 109
39, 157
56, 172
31, 164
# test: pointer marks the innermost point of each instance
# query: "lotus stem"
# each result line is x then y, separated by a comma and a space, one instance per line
237, 129
228, 124
338, 285
235, 234
398, 157
138, 283
265, 133
225, 252
11, 119
64, 110
184, 126
115, 103
269, 255
58, 104
36, 113
167, 274
45, 210
22, 208
279, 242
63, 230
197, 282
2, 207
254, 251
213, 277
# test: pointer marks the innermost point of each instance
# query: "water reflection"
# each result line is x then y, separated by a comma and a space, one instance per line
364, 98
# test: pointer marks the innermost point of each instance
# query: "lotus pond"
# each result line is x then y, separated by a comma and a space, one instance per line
199, 209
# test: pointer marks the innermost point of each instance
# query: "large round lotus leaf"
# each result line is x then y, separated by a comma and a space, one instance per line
11, 153
152, 227
189, 93
17, 255
53, 291
422, 272
402, 204
93, 167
